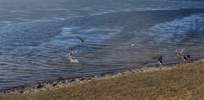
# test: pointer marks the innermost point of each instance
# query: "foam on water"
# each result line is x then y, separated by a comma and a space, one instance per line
176, 31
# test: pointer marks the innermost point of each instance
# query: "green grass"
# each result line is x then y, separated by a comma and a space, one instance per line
186, 82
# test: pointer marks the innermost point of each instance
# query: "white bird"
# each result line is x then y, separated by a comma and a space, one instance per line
132, 45
70, 56
73, 60
180, 52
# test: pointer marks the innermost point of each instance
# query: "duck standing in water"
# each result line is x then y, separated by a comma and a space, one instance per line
70, 56
160, 60
81, 39
185, 57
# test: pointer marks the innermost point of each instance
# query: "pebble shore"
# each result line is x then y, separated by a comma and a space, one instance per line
63, 83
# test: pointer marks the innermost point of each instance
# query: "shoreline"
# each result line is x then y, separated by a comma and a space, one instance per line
69, 82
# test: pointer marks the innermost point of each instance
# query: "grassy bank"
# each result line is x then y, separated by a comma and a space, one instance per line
185, 82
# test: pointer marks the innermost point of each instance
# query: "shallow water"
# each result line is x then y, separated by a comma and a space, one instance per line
35, 36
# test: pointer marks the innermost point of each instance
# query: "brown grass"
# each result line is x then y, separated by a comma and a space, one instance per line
186, 82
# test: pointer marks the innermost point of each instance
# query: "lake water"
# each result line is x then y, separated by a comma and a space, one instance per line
36, 34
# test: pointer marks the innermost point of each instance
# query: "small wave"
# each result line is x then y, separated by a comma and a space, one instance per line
18, 11
28, 32
177, 30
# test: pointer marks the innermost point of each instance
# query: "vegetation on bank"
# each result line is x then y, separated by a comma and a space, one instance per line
185, 82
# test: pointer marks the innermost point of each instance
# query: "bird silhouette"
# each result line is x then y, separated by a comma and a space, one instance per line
81, 39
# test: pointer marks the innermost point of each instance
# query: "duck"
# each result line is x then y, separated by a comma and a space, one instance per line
160, 60
81, 39
184, 56
73, 60
70, 56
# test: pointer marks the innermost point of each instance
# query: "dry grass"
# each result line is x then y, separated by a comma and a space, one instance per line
186, 82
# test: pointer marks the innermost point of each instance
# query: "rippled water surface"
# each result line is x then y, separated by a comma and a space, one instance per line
36, 34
